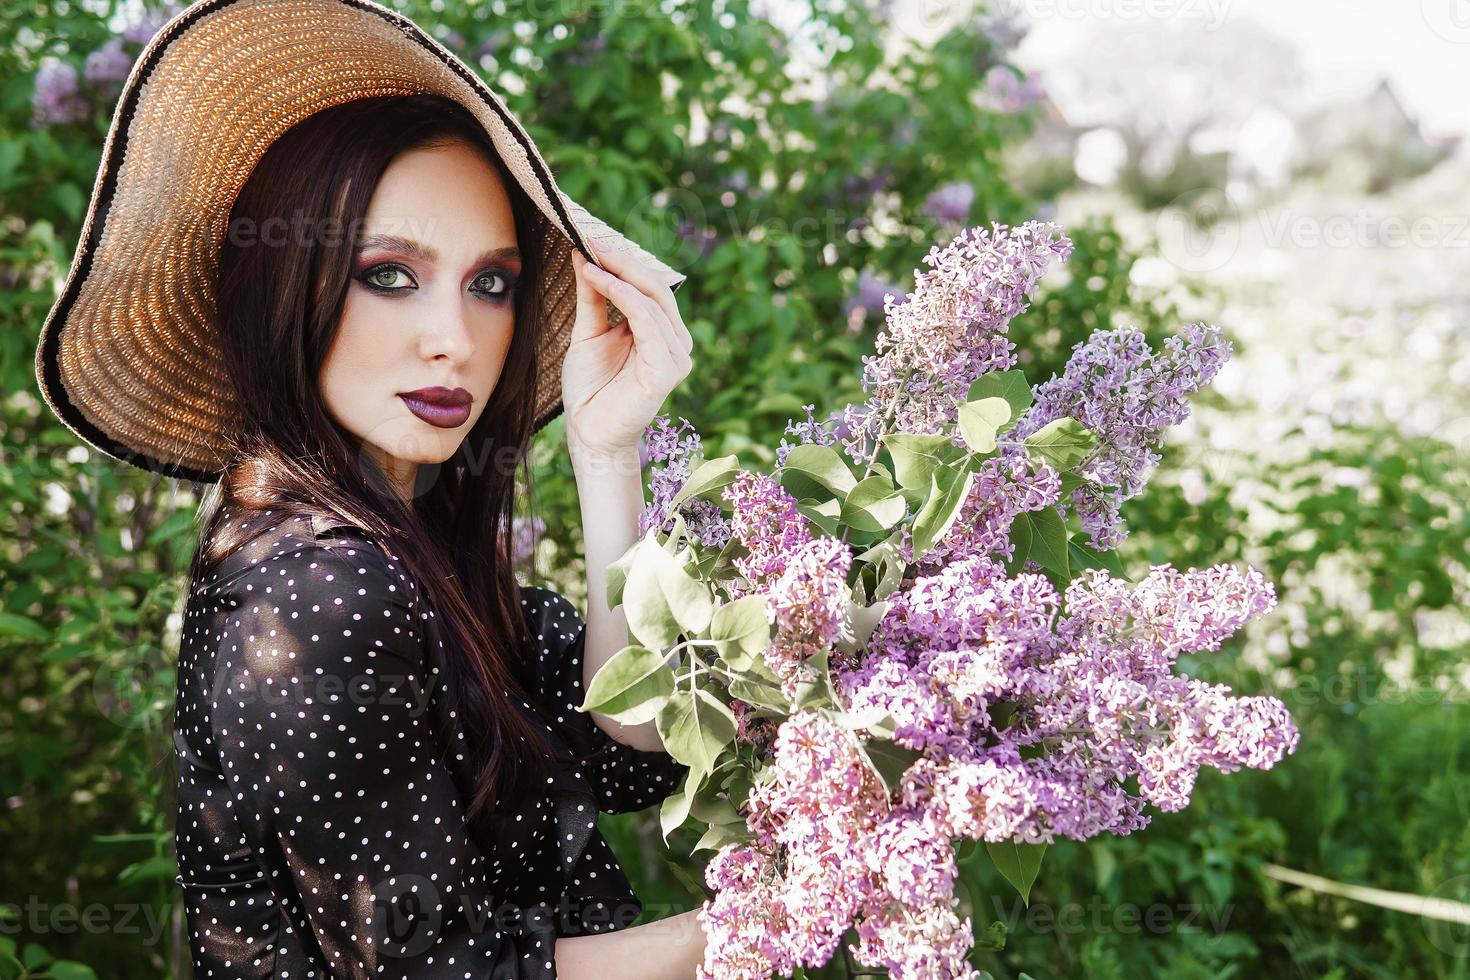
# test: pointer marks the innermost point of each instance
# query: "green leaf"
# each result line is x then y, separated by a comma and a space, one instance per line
979, 421
822, 465
70, 970
1010, 385
696, 729
939, 512
1084, 555
709, 808
150, 869
873, 505
1062, 442
993, 939
814, 685
35, 956
1021, 540
691, 881
861, 621
631, 687
720, 834
825, 514
890, 760
1049, 541
674, 810
1018, 864
616, 577
710, 475
742, 630
916, 457
760, 692
12, 624
661, 599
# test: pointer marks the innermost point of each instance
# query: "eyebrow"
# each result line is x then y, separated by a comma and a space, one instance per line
426, 253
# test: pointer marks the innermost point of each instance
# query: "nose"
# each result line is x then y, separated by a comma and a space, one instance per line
445, 330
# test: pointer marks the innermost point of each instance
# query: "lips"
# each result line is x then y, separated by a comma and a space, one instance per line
446, 408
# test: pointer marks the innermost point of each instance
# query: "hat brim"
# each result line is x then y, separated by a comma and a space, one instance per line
128, 356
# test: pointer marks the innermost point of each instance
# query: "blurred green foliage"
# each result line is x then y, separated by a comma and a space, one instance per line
684, 129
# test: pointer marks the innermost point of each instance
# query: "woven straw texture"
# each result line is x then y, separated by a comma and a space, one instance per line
128, 355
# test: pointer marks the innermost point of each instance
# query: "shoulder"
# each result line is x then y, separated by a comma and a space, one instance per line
309, 554
545, 607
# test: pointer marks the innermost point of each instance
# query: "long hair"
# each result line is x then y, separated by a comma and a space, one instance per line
279, 310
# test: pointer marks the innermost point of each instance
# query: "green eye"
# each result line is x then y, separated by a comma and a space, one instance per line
377, 276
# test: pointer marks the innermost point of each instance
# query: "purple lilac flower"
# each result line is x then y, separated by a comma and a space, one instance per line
848, 857
767, 523
525, 533
696, 237
820, 804
587, 50
952, 328
950, 202
108, 67
1096, 687
863, 187
808, 603
57, 99
1006, 486
871, 297
142, 32
808, 433
1128, 396
662, 444
490, 47
1012, 94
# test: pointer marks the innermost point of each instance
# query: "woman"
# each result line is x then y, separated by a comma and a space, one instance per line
382, 768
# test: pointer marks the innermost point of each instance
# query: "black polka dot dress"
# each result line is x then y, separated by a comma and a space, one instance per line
323, 781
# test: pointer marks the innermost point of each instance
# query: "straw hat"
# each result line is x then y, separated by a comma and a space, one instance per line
128, 356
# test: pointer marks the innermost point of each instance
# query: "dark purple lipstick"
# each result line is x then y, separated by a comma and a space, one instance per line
448, 408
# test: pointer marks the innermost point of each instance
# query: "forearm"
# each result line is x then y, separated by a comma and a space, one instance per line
610, 491
669, 949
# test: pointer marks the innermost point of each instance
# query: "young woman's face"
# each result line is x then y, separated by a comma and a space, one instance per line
430, 306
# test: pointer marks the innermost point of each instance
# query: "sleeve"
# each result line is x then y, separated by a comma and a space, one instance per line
322, 723
623, 778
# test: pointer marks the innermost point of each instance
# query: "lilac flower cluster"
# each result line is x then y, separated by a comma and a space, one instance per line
833, 431
662, 443
828, 852
1095, 688
808, 601
1010, 93
870, 297
1006, 486
951, 329
766, 522
950, 202
1034, 714
978, 670
525, 533
60, 97
1128, 396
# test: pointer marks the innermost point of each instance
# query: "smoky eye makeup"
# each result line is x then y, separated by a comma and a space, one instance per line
390, 278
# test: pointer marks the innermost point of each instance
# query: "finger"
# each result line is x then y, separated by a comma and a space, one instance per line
674, 337
626, 266
651, 338
591, 316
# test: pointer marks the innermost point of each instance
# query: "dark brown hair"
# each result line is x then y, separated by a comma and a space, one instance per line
279, 310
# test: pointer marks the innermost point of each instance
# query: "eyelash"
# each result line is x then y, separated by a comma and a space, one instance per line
366, 279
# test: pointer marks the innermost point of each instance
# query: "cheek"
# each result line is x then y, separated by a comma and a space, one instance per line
359, 364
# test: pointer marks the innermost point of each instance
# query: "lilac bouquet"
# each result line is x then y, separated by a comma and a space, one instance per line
914, 633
